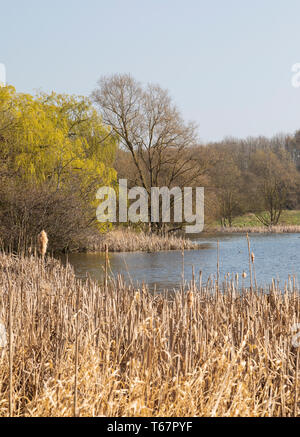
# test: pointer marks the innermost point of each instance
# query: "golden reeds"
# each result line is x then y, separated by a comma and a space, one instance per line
133, 353
129, 241
42, 241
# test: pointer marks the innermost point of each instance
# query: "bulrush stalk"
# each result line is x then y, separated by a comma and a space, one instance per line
75, 413
253, 267
106, 266
10, 344
250, 268
42, 241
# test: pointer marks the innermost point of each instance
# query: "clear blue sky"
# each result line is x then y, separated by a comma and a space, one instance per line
226, 63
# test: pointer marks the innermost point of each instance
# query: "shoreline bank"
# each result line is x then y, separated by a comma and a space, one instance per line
278, 229
130, 241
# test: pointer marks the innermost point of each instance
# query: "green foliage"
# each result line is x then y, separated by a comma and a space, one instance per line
56, 137
58, 141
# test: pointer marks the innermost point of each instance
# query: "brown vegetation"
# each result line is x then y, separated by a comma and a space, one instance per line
25, 209
129, 241
82, 348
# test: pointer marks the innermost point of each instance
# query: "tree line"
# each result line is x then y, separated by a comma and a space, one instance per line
56, 150
158, 148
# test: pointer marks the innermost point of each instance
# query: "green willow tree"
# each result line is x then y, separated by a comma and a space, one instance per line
57, 141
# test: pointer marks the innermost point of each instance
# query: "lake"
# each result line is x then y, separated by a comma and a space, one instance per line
276, 256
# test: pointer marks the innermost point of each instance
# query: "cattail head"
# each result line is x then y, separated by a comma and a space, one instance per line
244, 275
160, 306
190, 298
252, 257
42, 241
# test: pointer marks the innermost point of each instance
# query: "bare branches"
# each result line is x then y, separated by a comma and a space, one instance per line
149, 126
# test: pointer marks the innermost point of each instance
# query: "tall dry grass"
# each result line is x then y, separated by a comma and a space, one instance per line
278, 229
86, 349
129, 241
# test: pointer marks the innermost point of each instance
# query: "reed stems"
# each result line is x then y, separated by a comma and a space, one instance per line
80, 348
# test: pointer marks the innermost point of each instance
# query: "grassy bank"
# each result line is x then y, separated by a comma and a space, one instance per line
90, 350
289, 222
287, 218
130, 241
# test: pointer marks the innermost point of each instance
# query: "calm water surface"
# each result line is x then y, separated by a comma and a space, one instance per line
276, 256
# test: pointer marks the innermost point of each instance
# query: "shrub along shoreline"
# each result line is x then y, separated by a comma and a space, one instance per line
125, 240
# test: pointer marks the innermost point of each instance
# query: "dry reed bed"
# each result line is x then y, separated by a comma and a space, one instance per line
90, 350
129, 241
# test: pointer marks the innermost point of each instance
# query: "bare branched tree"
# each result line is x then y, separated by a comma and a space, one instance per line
151, 128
